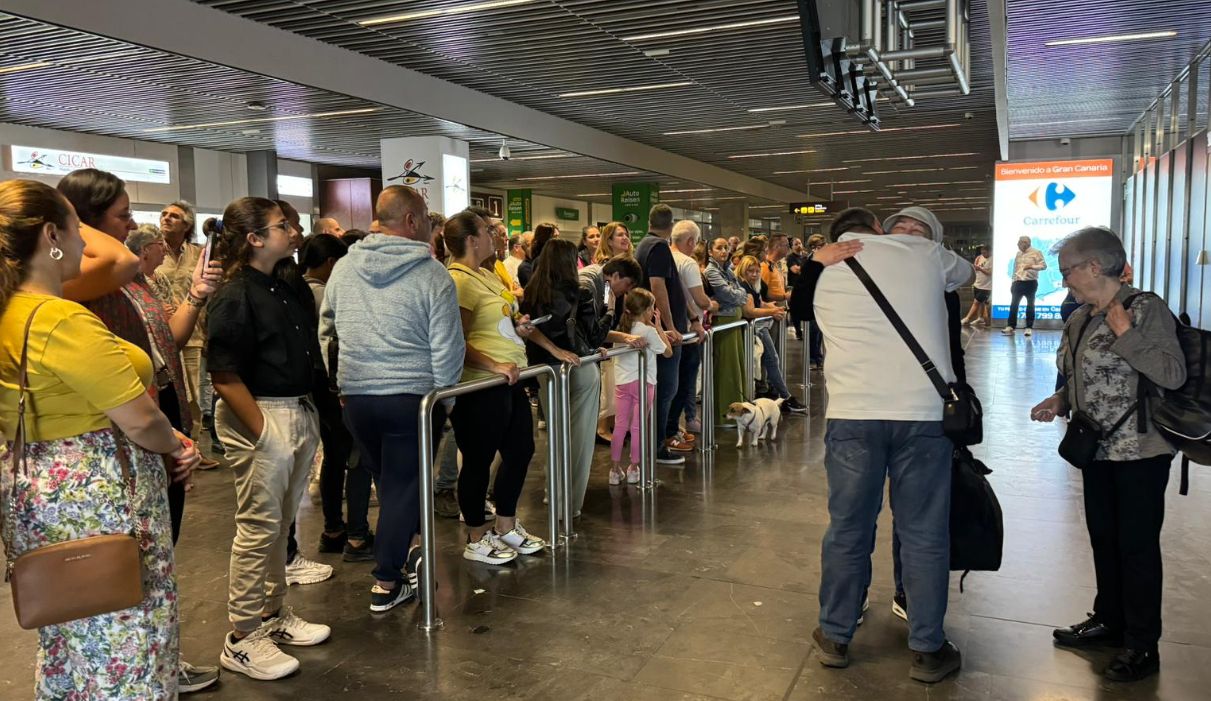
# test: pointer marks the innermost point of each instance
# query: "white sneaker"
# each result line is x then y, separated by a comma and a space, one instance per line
257, 656
618, 475
1008, 330
490, 550
633, 474
304, 571
1029, 332
288, 629
520, 540
191, 678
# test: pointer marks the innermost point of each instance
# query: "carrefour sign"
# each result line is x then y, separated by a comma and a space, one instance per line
1045, 201
50, 161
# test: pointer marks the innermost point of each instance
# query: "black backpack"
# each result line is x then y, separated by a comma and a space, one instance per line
1183, 415
977, 531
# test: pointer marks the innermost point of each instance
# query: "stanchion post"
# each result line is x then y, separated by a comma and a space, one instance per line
556, 467
565, 444
644, 410
750, 372
781, 341
429, 620
706, 368
807, 363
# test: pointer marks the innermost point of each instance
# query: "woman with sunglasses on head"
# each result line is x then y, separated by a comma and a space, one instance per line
90, 418
263, 352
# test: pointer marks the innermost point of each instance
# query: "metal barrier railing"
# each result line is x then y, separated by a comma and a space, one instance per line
429, 620
750, 355
707, 440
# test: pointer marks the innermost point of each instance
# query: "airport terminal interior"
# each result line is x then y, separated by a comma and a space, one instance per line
749, 118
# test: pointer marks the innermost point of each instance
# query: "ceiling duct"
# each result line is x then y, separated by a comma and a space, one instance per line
899, 50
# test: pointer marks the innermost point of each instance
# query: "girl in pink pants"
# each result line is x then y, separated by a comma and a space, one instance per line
640, 318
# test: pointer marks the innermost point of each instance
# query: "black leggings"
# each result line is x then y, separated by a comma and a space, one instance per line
176, 490
493, 420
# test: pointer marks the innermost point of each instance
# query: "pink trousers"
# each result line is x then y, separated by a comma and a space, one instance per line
627, 418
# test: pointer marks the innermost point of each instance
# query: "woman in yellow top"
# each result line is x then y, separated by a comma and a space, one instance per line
496, 419
83, 381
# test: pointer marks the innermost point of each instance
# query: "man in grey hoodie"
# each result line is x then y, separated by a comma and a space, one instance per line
395, 311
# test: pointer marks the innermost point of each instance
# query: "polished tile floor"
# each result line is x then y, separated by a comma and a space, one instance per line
709, 592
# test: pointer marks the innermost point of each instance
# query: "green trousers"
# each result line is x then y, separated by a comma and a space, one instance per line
729, 366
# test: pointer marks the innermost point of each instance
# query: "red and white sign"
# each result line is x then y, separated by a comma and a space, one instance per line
50, 161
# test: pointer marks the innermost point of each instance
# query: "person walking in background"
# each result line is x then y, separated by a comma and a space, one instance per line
981, 306
640, 319
1026, 266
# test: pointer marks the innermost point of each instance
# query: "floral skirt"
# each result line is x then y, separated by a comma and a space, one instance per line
72, 488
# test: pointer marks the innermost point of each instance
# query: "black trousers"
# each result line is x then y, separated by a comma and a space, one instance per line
176, 490
387, 431
1020, 289
490, 421
1124, 510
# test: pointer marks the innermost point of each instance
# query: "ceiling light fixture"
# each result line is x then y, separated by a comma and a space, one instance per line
1112, 38
909, 170
259, 120
847, 182
771, 153
881, 131
790, 107
442, 12
766, 206
698, 189
637, 88
714, 28
850, 192
910, 158
526, 158
817, 170
585, 175
24, 67
594, 194
774, 123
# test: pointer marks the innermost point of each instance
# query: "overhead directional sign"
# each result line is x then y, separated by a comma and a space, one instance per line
816, 207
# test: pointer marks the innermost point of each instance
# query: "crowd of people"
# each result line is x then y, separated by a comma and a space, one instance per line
279, 344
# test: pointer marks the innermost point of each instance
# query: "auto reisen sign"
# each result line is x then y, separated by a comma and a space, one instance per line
50, 161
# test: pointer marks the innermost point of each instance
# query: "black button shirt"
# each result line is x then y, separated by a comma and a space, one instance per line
260, 329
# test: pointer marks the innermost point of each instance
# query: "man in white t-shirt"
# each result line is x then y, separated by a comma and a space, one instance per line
517, 255
1026, 266
981, 306
685, 236
884, 421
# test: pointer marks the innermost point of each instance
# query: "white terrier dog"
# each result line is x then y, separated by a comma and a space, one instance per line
756, 416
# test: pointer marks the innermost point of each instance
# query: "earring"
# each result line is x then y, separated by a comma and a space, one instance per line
56, 253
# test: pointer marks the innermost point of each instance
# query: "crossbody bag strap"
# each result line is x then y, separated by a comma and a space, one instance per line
17, 449
931, 370
1072, 350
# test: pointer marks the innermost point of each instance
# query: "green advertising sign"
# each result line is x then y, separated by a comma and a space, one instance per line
631, 204
519, 211
567, 213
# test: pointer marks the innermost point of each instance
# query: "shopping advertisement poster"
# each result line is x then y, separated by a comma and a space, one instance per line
1046, 201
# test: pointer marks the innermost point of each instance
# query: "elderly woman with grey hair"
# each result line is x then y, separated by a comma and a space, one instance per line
1119, 342
148, 244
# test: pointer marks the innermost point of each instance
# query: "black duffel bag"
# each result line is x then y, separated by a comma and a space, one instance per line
977, 529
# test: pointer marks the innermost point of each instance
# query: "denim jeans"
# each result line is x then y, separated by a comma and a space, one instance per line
667, 377
770, 363
687, 388
859, 457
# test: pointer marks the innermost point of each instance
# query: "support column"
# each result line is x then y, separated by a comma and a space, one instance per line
733, 219
263, 174
435, 166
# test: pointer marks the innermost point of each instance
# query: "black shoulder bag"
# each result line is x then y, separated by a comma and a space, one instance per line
962, 414
1085, 434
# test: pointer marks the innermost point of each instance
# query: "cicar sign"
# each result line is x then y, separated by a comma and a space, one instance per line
50, 161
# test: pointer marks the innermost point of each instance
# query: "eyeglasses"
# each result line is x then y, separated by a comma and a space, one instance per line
284, 226
1065, 272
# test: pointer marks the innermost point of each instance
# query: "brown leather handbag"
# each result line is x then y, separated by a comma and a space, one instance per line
77, 578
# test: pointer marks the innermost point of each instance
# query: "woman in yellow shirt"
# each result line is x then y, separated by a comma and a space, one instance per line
496, 419
83, 382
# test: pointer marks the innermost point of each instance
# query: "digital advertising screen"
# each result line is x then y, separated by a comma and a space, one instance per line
1047, 201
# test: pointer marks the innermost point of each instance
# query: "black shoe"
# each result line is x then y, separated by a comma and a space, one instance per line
1088, 633
385, 600
445, 503
1133, 665
412, 565
933, 667
794, 406
332, 543
831, 654
899, 605
359, 553
667, 457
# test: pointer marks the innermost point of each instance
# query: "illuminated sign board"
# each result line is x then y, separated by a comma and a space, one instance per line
294, 186
1045, 200
57, 162
816, 208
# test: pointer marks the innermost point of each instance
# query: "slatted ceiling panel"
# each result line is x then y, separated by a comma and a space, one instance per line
1108, 84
